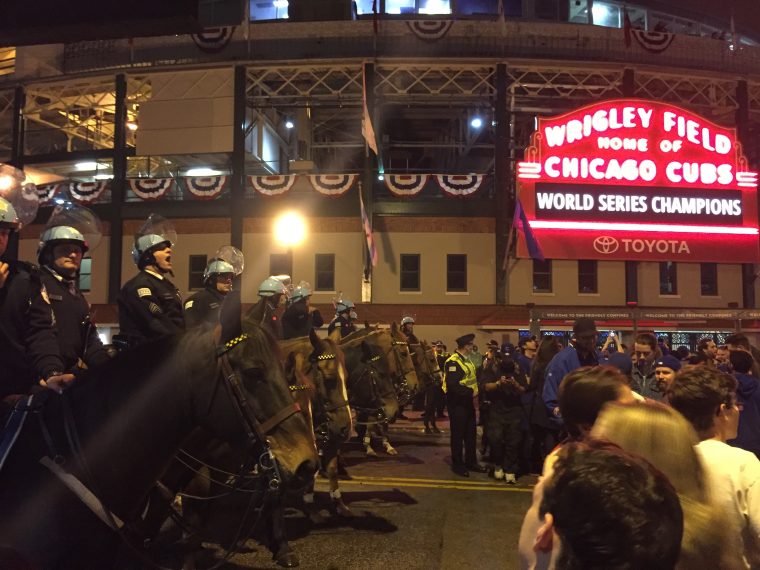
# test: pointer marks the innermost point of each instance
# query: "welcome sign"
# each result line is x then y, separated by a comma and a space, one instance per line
638, 180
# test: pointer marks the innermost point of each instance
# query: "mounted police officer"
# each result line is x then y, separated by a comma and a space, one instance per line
461, 387
272, 293
60, 252
407, 327
299, 318
202, 309
150, 306
28, 341
344, 318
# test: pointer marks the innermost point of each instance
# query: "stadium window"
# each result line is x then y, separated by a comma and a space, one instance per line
410, 272
542, 276
280, 264
587, 277
85, 275
196, 265
269, 9
708, 278
668, 278
456, 272
324, 279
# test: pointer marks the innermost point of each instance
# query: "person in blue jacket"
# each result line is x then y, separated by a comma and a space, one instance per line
748, 394
580, 352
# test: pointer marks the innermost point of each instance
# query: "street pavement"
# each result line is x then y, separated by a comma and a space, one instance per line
410, 512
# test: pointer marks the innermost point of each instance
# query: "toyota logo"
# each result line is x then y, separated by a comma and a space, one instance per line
606, 245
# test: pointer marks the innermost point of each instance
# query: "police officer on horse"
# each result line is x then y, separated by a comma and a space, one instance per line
203, 308
150, 306
344, 318
299, 318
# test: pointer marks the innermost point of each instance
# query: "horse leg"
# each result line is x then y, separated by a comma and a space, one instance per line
337, 499
389, 449
309, 508
282, 552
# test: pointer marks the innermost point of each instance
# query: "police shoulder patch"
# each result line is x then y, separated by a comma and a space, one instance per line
452, 368
143, 292
189, 304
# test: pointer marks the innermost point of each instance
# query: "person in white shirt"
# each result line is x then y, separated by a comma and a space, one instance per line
707, 398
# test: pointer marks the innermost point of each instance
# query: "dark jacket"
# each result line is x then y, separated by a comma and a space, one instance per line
77, 335
28, 339
346, 326
505, 396
564, 362
297, 320
150, 307
203, 307
646, 385
748, 394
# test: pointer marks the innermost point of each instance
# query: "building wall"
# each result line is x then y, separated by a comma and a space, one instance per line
689, 287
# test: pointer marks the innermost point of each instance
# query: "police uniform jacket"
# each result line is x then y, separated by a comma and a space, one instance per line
77, 335
28, 339
346, 326
297, 320
150, 307
203, 307
460, 382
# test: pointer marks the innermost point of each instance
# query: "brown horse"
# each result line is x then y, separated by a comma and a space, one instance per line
86, 460
426, 365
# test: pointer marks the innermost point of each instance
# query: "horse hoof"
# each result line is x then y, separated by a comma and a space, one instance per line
288, 560
390, 450
342, 510
371, 452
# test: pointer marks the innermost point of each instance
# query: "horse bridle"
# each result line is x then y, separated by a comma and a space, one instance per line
323, 409
369, 371
401, 374
256, 431
427, 363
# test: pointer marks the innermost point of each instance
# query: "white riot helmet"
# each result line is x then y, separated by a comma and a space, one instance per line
217, 267
407, 321
8, 217
346, 306
300, 292
155, 233
70, 223
272, 286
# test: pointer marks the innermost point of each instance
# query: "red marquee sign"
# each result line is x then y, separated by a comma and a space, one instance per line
630, 179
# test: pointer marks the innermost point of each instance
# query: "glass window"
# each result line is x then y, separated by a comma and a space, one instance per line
607, 14
197, 266
542, 276
269, 9
400, 6
587, 277
708, 273
456, 272
85, 274
324, 264
280, 264
410, 272
668, 278
365, 6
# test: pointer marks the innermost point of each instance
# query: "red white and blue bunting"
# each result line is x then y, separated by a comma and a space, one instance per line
430, 30
213, 40
87, 191
405, 185
150, 188
46, 192
272, 185
206, 187
653, 42
332, 184
459, 185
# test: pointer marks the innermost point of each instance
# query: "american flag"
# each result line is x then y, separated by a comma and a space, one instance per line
368, 231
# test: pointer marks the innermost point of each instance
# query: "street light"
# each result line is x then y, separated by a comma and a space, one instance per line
290, 232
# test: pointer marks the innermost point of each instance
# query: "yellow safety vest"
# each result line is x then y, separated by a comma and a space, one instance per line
470, 379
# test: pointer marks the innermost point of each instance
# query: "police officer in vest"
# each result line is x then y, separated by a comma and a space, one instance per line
461, 387
299, 318
150, 306
272, 293
202, 309
28, 341
60, 252
344, 318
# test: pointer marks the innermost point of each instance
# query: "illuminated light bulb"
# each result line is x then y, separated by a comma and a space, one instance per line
476, 122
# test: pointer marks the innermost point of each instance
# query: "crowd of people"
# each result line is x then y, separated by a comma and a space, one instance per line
649, 458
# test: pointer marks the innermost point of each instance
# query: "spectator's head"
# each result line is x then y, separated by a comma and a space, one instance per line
645, 350
585, 334
737, 341
622, 362
700, 359
583, 393
528, 346
721, 356
707, 398
682, 353
609, 509
665, 370
741, 361
707, 346
546, 351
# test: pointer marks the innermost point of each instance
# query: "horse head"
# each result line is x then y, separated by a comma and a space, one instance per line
370, 383
255, 383
400, 363
426, 364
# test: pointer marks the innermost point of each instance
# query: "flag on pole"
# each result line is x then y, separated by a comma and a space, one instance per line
368, 132
627, 27
520, 223
367, 225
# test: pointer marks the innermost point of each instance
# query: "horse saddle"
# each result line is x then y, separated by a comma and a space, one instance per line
13, 426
